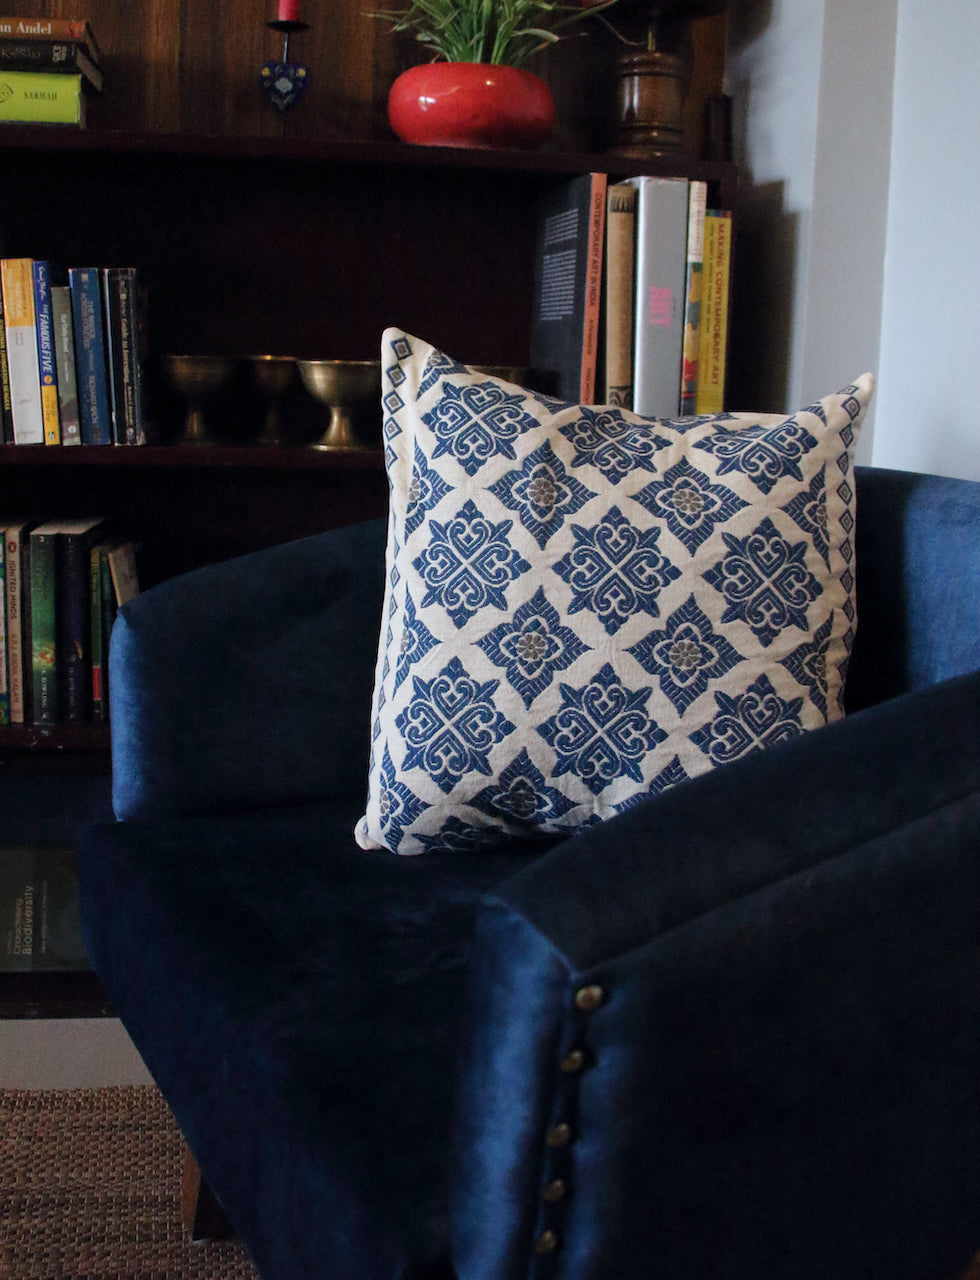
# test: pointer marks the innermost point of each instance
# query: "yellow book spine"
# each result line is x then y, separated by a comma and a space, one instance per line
17, 282
714, 317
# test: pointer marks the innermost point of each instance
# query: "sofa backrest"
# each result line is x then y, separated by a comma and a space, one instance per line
918, 583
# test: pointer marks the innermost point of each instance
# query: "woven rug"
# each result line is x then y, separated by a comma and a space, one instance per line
90, 1190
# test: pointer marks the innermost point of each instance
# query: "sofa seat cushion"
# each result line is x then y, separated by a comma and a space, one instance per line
316, 989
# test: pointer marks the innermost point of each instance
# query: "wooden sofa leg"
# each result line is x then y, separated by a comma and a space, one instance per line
202, 1216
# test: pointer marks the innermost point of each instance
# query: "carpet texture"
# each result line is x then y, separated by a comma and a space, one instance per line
90, 1190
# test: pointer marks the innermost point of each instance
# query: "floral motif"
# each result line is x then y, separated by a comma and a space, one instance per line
451, 725
414, 642
468, 564
542, 493
521, 796
532, 647
612, 443
398, 805
808, 665
426, 489
615, 570
808, 510
689, 503
602, 731
765, 581
764, 453
685, 655
477, 422
756, 719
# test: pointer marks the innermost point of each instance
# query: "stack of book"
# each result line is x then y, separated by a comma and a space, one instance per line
49, 69
62, 583
71, 366
631, 297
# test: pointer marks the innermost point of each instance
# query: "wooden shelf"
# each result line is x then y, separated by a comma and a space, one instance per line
193, 457
543, 164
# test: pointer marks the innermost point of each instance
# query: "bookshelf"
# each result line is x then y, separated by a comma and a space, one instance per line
306, 247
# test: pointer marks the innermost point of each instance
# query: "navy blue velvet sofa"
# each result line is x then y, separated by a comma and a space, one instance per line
732, 1033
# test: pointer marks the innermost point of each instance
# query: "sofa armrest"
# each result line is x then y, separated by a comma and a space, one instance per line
754, 999
248, 683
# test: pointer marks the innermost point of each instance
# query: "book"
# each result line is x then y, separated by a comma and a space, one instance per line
60, 632
114, 582
45, 352
49, 55
697, 208
40, 929
16, 567
661, 258
64, 354
85, 284
714, 318
568, 285
122, 323
4, 680
42, 97
17, 284
58, 29
6, 413
620, 275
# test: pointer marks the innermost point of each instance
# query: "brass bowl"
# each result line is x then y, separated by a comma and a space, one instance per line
197, 379
273, 377
351, 392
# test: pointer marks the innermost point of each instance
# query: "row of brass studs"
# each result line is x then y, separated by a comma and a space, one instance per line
560, 1136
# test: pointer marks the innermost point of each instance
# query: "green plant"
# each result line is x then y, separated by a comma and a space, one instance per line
504, 32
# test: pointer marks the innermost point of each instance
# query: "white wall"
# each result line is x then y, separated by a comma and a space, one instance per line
856, 126
929, 365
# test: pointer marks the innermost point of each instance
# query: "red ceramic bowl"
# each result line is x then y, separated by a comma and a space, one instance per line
471, 104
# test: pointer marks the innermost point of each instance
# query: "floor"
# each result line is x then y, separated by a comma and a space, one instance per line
67, 1053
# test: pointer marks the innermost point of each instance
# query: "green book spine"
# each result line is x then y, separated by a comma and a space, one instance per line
41, 97
44, 643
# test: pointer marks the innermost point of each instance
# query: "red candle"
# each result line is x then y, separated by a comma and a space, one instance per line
289, 11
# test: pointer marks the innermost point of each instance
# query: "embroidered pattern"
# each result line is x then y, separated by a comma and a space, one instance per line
584, 607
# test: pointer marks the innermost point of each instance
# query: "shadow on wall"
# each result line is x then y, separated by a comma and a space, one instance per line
762, 302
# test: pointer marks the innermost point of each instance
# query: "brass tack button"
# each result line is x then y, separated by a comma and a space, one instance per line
555, 1191
560, 1135
572, 1062
546, 1242
589, 998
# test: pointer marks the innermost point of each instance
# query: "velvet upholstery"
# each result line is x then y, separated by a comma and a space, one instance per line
771, 1069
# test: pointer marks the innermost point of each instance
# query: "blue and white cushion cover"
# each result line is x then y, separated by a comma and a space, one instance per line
584, 607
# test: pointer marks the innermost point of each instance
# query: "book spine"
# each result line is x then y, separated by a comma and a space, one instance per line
45, 352
697, 208
64, 351
661, 256
44, 637
6, 414
73, 597
49, 55
568, 285
15, 536
71, 29
125, 372
98, 569
593, 289
16, 281
90, 355
4, 657
714, 335
620, 268
42, 97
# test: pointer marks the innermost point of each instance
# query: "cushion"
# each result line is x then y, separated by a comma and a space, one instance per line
584, 607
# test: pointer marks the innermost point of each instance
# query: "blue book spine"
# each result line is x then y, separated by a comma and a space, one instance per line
45, 352
94, 408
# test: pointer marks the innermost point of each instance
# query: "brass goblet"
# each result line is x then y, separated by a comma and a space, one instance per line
351, 390
273, 376
197, 379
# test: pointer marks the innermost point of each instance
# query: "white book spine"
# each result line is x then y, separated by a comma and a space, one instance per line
661, 271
